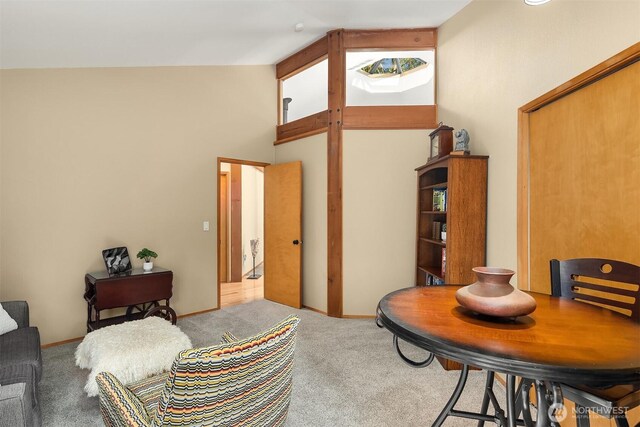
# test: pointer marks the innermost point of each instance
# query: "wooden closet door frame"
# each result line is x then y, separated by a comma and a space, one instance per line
610, 66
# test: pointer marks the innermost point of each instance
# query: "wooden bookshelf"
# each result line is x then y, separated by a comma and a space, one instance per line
465, 179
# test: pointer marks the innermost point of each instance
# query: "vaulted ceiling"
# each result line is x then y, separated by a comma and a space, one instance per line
132, 33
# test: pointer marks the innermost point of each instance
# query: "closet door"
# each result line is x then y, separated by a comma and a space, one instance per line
584, 175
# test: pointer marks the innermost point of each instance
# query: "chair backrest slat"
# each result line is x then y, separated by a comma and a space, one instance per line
629, 293
604, 301
568, 281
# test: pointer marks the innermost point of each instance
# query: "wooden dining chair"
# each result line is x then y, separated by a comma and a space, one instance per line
614, 285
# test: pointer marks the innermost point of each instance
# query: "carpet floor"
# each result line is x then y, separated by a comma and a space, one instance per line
346, 373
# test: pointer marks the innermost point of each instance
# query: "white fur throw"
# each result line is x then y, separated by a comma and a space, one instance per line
131, 351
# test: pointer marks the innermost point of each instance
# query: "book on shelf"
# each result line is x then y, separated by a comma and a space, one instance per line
435, 230
440, 199
444, 261
437, 195
433, 280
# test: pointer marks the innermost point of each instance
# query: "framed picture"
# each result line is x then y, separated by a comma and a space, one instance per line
117, 260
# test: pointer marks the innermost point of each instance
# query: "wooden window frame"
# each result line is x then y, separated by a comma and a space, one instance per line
357, 117
391, 116
302, 128
300, 61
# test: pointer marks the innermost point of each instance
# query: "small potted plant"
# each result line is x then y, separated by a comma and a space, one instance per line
147, 255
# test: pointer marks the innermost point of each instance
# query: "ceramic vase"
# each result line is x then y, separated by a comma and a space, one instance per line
493, 295
147, 266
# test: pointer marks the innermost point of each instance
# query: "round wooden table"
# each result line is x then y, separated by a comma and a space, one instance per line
563, 341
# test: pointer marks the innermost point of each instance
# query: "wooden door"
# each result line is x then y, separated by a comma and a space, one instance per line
584, 179
283, 233
224, 227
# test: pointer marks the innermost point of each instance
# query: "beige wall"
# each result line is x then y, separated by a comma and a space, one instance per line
379, 214
312, 151
96, 158
495, 56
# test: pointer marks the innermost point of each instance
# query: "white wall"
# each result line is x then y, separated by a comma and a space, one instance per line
312, 151
494, 57
379, 214
252, 215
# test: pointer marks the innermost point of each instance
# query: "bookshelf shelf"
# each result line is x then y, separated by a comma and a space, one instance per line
435, 242
438, 186
434, 271
457, 184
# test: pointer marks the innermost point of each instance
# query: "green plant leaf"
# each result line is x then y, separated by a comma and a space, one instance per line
146, 254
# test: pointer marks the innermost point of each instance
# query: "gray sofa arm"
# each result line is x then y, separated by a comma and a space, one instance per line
13, 405
18, 397
19, 311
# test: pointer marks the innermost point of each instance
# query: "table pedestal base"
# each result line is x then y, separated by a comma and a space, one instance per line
549, 397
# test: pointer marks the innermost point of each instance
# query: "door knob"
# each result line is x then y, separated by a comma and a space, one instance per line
297, 242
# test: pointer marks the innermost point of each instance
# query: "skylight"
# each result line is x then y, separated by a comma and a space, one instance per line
387, 67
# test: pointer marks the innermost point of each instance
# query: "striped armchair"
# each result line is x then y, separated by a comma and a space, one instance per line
244, 382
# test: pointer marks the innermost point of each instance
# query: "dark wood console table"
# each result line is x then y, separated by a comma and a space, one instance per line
139, 291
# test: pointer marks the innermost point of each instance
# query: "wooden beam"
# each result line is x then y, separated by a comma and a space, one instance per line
236, 222
222, 226
391, 117
240, 162
409, 38
300, 136
302, 59
336, 102
300, 128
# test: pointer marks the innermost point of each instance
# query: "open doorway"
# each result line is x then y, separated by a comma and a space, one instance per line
240, 231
